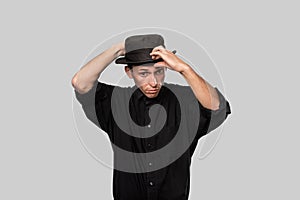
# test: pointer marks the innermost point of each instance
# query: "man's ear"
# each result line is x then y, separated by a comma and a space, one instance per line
128, 71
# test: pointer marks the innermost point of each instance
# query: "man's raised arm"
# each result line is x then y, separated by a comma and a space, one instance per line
203, 91
85, 78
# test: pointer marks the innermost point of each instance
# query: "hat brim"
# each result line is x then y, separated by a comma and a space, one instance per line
123, 60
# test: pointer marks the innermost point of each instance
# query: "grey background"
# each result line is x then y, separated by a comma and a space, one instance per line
255, 45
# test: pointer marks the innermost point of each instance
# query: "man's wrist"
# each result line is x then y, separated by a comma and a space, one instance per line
185, 69
119, 49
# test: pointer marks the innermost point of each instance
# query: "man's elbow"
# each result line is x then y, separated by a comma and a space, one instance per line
74, 81
215, 107
80, 88
215, 100
214, 104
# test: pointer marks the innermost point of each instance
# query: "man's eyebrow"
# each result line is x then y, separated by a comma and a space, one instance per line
146, 69
143, 69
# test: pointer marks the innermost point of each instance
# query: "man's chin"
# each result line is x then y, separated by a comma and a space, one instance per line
151, 94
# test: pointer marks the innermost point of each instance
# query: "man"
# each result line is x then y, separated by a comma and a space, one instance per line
159, 124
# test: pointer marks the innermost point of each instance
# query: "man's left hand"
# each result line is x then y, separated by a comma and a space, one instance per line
170, 60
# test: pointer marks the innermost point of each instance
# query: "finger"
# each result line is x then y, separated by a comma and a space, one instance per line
156, 55
158, 52
158, 48
161, 52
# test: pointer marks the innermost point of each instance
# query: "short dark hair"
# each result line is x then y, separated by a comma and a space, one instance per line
130, 66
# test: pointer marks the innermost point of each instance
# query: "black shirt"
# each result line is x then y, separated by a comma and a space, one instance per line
162, 176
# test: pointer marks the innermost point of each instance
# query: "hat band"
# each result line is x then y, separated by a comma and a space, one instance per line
139, 55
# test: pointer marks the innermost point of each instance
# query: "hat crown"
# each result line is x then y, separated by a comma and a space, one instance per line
139, 47
136, 42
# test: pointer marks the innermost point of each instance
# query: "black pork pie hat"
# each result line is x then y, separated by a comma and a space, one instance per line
139, 47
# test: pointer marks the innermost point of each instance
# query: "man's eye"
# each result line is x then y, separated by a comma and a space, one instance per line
159, 71
143, 73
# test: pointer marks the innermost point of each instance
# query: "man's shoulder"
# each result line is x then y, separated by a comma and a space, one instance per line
183, 92
177, 88
108, 86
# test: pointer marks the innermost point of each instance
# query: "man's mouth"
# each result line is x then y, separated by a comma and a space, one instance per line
151, 91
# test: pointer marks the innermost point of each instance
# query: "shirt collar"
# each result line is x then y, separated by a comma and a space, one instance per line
139, 95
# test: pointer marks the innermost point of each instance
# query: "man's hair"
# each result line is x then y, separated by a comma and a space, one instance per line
130, 66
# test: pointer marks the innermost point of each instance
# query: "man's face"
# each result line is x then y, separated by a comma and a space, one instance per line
149, 78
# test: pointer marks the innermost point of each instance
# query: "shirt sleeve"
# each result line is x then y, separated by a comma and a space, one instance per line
96, 104
211, 119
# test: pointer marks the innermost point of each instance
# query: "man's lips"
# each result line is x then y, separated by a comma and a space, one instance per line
152, 91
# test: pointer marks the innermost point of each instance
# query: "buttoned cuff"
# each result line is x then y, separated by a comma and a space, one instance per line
223, 106
88, 97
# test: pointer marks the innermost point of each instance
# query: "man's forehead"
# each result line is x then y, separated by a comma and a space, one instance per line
150, 66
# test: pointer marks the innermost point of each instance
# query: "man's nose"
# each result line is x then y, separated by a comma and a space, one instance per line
152, 81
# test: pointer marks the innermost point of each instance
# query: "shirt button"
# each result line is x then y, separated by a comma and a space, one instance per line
150, 163
149, 145
151, 183
149, 126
